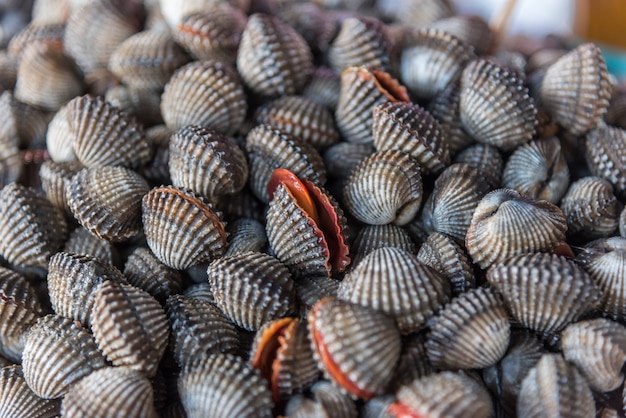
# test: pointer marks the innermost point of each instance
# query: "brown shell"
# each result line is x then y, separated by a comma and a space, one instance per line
145, 271
84, 242
59, 139
11, 165
18, 400
29, 122
327, 400
373, 237
55, 180
317, 25
323, 88
36, 33
605, 154
8, 71
486, 159
246, 234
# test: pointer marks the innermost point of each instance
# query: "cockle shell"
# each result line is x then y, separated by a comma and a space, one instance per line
18, 400
341, 158
157, 172
84, 242
413, 363
471, 29
52, 11
143, 104
373, 237
11, 165
173, 11
606, 155
145, 271
416, 12
327, 400
8, 71
28, 122
323, 88
445, 107
310, 289
36, 33
55, 180
59, 140
318, 26
246, 235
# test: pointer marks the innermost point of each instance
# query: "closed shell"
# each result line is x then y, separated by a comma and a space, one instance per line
606, 156
373, 237
143, 104
486, 159
445, 107
246, 234
35, 33
145, 271
327, 400
416, 12
55, 179
310, 289
18, 400
471, 29
323, 88
84, 242
59, 140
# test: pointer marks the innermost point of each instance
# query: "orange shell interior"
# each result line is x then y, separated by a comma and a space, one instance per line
400, 410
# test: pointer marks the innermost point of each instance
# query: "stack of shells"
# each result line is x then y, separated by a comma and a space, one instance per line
281, 208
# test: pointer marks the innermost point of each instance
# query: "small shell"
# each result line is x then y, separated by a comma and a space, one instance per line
495, 107
555, 388
310, 289
576, 89
18, 400
317, 25
606, 155
36, 33
356, 347
323, 87
181, 228
373, 237
55, 180
273, 59
417, 13
84, 242
471, 29
143, 104
145, 271
544, 292
58, 352
445, 107
111, 391
251, 288
59, 139
506, 224
157, 171
396, 283
327, 401
246, 235
486, 159
205, 93
386, 187
173, 11
538, 169
340, 159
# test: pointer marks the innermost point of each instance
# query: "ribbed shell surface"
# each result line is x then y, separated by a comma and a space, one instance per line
606, 156
59, 141
18, 400
55, 178
333, 400
35, 33
310, 289
471, 29
246, 235
445, 107
373, 237
323, 88
340, 159
145, 271
416, 12
84, 242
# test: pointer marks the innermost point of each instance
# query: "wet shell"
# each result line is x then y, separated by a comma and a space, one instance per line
72, 283
431, 59
107, 201
59, 139
445, 107
361, 90
246, 235
506, 224
361, 42
576, 89
606, 156
323, 88
205, 93
471, 332
181, 228
356, 347
373, 237
598, 348
55, 180
147, 60
84, 242
36, 33
222, 386
108, 392
386, 187
145, 271
269, 44
396, 283
206, 162
105, 135
198, 329
251, 288
310, 289
495, 107
544, 292
18, 400
538, 169
58, 352
417, 13
473, 30
340, 159
555, 388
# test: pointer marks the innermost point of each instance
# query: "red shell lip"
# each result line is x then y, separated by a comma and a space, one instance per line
400, 410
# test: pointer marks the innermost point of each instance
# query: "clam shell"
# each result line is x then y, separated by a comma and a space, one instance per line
318, 26
251, 288
51, 11
55, 180
414, 362
11, 165
59, 139
145, 271
272, 45
35, 33
246, 235
356, 347
373, 237
29, 122
396, 283
243, 205
222, 386
58, 352
486, 159
111, 391
343, 157
417, 13
181, 228
173, 11
205, 93
143, 104
157, 170
377, 407
8, 71
544, 292
327, 401
84, 242
386, 187
506, 224
538, 169
206, 162
323, 88
576, 89
310, 289
495, 107
555, 388
605, 154
471, 29
198, 329
18, 400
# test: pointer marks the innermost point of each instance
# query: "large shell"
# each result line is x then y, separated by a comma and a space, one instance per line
555, 388
356, 347
84, 242
506, 224
396, 283
145, 271
373, 237
495, 107
18, 400
606, 155
58, 352
181, 228
544, 292
386, 187
55, 180
576, 89
273, 59
205, 93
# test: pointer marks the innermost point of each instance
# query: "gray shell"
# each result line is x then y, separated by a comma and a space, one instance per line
18, 400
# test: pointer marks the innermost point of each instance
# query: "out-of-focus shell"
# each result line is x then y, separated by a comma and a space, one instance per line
55, 180
205, 93
29, 122
36, 33
246, 234
356, 347
243, 205
361, 42
471, 332
107, 201
18, 400
385, 187
145, 271
157, 171
105, 135
84, 242
606, 155
414, 362
412, 129
11, 165
181, 228
59, 140
252, 288
273, 59
538, 169
373, 237
223, 386
544, 292
8, 71
495, 107
486, 159
52, 11
340, 159
58, 352
576, 89
198, 328
310, 289
506, 224
317, 25
396, 283
445, 107
445, 394
143, 104
416, 12
555, 388
323, 88
471, 29
173, 11
327, 400
108, 392
361, 90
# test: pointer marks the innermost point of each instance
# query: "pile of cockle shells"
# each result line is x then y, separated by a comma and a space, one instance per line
335, 208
